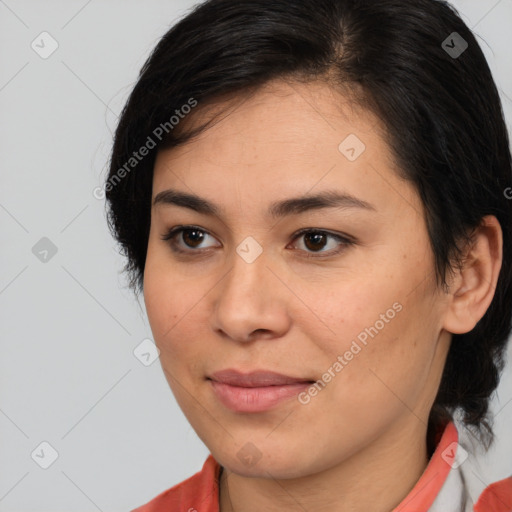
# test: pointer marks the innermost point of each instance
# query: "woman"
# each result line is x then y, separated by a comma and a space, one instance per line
312, 198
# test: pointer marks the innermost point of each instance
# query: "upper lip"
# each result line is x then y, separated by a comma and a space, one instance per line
254, 379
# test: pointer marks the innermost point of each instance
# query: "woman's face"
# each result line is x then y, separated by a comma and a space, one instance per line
242, 290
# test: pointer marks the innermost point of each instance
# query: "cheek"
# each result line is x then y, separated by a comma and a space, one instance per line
383, 330
385, 360
347, 306
167, 300
177, 310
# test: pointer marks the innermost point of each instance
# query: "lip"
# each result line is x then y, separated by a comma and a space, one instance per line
256, 391
255, 379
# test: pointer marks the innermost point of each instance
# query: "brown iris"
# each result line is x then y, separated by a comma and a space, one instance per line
315, 238
195, 239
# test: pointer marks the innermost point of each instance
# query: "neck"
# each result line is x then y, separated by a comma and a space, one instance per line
377, 478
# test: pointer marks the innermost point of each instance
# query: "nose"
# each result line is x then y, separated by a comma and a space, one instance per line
251, 302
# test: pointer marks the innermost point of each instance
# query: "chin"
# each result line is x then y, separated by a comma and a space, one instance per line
248, 461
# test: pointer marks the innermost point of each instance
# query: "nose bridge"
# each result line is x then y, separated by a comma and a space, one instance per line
249, 266
247, 300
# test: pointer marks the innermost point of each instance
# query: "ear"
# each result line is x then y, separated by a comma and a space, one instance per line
472, 287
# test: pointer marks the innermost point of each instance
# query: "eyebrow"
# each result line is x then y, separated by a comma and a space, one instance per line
282, 208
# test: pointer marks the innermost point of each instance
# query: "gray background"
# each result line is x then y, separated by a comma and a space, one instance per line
69, 325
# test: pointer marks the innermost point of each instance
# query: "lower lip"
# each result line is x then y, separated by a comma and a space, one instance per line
241, 399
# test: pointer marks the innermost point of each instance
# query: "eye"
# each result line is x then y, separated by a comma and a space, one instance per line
315, 240
191, 236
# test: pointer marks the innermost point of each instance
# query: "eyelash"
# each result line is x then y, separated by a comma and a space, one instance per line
344, 240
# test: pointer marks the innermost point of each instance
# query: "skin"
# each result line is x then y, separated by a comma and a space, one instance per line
360, 443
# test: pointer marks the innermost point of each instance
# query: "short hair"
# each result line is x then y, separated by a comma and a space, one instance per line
408, 62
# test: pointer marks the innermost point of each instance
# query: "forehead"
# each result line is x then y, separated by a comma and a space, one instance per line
277, 119
285, 138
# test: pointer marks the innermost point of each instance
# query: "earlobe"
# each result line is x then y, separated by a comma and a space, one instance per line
473, 286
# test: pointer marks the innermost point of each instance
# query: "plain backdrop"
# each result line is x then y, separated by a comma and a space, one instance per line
112, 434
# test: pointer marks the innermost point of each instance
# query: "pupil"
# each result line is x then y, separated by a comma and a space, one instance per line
317, 238
198, 238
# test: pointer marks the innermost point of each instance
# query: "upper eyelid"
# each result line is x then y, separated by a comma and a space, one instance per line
297, 234
179, 229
